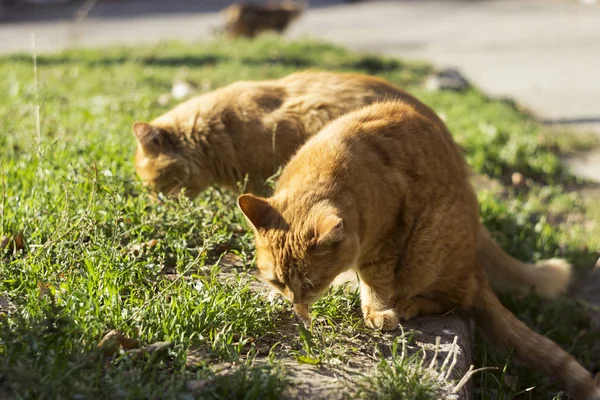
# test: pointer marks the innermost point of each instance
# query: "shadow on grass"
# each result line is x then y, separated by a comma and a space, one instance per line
153, 60
45, 357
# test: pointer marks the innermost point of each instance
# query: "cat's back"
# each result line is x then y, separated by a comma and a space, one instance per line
244, 99
340, 83
378, 140
343, 91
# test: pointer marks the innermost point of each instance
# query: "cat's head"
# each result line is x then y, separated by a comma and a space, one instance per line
299, 253
163, 163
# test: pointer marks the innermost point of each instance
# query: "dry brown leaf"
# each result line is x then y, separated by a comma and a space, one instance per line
114, 341
13, 243
139, 249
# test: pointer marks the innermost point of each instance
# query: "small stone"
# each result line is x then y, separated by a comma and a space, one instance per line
518, 180
181, 89
447, 79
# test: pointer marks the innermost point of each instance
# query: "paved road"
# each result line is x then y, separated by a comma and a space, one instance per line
545, 54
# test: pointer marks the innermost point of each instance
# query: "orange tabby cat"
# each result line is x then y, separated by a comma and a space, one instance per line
251, 128
385, 191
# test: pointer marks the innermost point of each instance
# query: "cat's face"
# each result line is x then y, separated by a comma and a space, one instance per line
162, 164
300, 257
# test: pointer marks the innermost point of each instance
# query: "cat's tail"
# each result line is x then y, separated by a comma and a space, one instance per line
506, 331
548, 278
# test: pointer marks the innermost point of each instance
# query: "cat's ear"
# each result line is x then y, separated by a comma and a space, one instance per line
330, 229
256, 210
147, 135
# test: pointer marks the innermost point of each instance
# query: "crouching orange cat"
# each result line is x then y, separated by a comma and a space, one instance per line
385, 191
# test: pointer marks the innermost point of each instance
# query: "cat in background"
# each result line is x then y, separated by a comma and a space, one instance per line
248, 129
385, 191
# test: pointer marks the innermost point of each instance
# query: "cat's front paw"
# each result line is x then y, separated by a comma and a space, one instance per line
385, 320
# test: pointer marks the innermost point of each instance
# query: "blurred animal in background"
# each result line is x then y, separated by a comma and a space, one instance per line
248, 20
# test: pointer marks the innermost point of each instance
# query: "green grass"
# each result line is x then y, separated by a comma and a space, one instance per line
99, 255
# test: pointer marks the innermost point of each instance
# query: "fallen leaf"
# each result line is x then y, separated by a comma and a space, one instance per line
139, 249
308, 360
13, 243
114, 341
